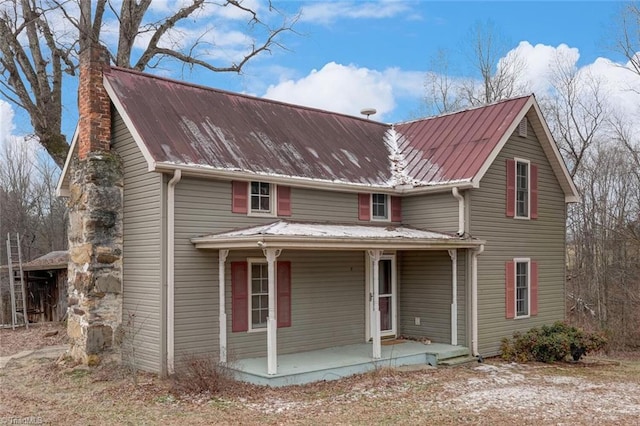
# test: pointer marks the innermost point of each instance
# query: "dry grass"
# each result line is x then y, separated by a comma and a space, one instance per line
597, 391
21, 339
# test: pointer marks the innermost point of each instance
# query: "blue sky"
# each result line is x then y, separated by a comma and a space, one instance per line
348, 55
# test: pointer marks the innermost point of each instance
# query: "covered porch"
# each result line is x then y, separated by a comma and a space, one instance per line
342, 361
379, 245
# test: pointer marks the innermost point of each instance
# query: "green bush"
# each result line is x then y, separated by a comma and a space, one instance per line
551, 343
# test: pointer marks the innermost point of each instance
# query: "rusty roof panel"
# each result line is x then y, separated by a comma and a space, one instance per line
454, 147
187, 124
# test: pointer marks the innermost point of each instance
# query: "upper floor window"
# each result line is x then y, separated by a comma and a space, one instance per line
261, 197
522, 189
379, 207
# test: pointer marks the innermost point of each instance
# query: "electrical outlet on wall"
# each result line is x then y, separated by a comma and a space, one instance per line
417, 320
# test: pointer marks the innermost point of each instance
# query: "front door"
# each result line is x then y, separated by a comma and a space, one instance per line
386, 295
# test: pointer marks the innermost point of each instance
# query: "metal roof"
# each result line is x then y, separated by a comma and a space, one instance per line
301, 235
209, 132
454, 147
193, 125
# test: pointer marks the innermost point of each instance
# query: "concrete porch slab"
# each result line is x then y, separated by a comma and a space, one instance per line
341, 361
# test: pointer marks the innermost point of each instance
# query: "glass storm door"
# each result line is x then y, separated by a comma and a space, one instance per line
386, 295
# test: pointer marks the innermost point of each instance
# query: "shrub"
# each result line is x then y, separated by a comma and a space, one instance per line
201, 374
551, 343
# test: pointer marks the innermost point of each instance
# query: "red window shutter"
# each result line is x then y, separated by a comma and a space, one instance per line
534, 191
284, 201
534, 288
511, 188
284, 294
239, 202
364, 206
239, 297
396, 209
510, 289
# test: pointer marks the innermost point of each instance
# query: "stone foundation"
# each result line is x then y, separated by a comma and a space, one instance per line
95, 257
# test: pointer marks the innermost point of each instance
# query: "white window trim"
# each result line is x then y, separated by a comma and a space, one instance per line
387, 199
250, 262
369, 292
272, 201
517, 260
515, 196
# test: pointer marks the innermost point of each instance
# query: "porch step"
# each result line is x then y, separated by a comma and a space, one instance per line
458, 360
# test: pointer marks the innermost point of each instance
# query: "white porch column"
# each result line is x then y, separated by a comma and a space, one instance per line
272, 322
375, 315
454, 296
222, 258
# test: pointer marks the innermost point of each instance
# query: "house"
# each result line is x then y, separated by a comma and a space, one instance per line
266, 232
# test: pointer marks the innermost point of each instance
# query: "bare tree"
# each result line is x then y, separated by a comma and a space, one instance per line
627, 37
576, 111
28, 204
40, 41
494, 72
441, 92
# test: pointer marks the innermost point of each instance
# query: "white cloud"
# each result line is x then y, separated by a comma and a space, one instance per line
328, 12
6, 122
343, 88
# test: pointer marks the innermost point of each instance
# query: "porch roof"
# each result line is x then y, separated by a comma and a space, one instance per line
327, 236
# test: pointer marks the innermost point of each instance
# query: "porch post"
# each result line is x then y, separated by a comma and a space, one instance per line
222, 258
375, 317
454, 296
272, 323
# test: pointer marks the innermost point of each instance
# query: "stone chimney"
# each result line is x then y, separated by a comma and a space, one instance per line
95, 221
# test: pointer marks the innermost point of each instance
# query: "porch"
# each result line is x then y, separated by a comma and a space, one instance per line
342, 361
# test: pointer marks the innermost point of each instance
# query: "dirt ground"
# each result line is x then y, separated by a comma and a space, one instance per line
599, 391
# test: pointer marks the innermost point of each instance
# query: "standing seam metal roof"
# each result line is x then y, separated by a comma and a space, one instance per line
186, 124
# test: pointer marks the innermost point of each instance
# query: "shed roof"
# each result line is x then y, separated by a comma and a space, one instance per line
315, 236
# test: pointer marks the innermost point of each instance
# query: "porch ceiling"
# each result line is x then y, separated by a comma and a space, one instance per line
323, 236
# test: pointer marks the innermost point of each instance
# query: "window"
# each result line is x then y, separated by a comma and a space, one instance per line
259, 295
521, 291
522, 189
522, 288
379, 207
261, 197
250, 294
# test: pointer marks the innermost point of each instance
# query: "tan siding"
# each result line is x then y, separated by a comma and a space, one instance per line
142, 265
203, 207
542, 240
327, 304
435, 212
425, 292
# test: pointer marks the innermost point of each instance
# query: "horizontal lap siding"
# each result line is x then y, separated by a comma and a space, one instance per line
542, 240
142, 265
204, 207
435, 212
425, 292
327, 304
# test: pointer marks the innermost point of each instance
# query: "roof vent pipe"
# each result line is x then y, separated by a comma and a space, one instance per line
460, 199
